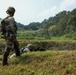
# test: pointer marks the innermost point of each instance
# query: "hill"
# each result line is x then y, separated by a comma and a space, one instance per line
62, 24
42, 63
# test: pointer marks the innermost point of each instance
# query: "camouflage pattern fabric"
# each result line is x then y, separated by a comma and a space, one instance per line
11, 31
10, 38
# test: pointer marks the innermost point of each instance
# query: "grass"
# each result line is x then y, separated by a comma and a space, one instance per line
42, 63
34, 35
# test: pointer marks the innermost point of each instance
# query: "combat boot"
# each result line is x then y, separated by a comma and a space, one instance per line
5, 56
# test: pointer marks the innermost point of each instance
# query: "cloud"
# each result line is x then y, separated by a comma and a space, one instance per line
47, 12
64, 5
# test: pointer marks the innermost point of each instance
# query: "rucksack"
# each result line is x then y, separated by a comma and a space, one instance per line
2, 26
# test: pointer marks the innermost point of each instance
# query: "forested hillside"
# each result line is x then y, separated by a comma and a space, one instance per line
63, 23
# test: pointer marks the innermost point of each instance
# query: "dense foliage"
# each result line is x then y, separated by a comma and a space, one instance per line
62, 24
43, 45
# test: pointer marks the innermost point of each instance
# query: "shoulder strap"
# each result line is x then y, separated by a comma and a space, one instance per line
6, 17
3, 21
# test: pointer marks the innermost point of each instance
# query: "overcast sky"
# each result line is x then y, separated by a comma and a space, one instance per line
28, 11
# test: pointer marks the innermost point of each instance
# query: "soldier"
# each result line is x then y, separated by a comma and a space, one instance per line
10, 32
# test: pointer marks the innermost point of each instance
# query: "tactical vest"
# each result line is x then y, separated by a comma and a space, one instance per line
5, 28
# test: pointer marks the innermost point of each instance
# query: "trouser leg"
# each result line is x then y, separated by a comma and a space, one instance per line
16, 47
5, 56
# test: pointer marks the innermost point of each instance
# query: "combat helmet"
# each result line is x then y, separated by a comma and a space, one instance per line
10, 10
30, 46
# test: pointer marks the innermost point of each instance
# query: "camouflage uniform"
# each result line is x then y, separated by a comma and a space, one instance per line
10, 38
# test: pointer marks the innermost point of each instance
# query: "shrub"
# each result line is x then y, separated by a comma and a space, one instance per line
45, 45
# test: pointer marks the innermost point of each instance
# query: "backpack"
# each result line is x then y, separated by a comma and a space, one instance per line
2, 26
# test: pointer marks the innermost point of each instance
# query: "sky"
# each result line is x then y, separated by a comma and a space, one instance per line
28, 11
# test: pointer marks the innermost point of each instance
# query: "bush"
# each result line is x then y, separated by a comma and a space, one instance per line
45, 45
50, 45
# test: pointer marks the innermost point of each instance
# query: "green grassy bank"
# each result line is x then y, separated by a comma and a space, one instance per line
42, 63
